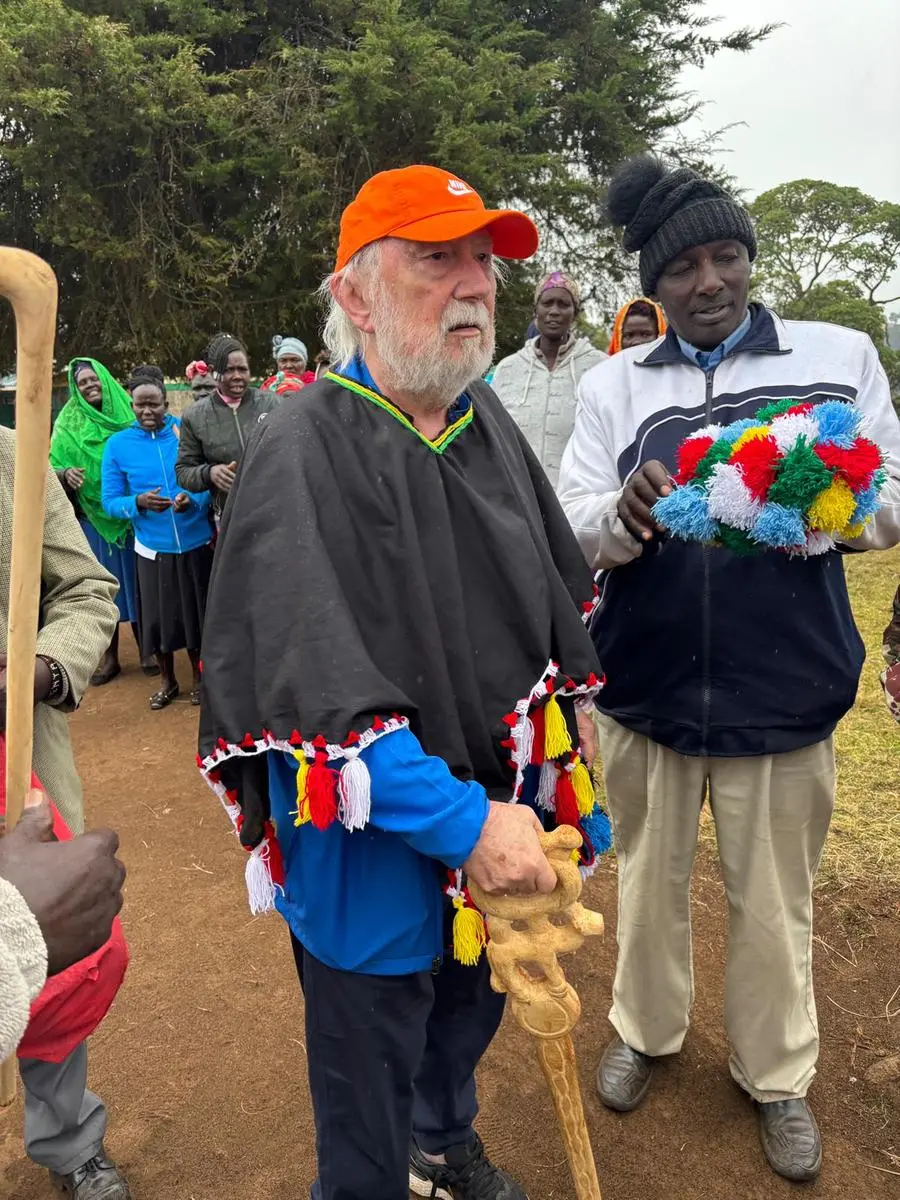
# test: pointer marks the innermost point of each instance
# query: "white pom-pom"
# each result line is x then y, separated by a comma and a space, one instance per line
258, 876
818, 542
788, 428
355, 785
730, 500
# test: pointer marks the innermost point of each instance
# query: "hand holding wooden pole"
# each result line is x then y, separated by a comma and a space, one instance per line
30, 286
524, 963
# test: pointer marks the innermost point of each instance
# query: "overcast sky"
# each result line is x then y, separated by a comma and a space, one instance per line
820, 99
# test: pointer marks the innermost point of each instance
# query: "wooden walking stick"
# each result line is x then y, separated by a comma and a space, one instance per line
30, 286
522, 953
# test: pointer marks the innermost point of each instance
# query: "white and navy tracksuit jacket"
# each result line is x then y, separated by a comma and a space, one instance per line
707, 652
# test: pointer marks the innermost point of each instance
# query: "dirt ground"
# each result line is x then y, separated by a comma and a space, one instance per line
201, 1061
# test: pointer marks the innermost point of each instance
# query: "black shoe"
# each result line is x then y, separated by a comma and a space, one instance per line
97, 1179
624, 1076
467, 1175
790, 1139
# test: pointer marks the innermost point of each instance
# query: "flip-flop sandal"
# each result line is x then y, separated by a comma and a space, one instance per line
195, 697
100, 678
163, 698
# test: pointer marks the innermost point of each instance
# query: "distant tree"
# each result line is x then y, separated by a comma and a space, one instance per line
811, 232
183, 165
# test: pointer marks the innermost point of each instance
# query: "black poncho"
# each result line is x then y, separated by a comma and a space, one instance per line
366, 578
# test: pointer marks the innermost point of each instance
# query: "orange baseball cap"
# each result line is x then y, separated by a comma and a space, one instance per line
426, 204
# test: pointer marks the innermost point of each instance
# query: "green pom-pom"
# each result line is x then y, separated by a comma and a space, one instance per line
771, 411
801, 475
879, 479
737, 541
718, 452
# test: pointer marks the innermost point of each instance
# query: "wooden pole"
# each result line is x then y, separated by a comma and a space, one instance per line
523, 956
30, 286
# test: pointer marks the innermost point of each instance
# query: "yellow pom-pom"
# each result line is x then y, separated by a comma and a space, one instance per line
750, 435
557, 740
469, 934
832, 508
301, 815
584, 789
849, 532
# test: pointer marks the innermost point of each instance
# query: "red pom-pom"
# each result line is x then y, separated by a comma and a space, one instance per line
295, 739
805, 406
592, 680
588, 606
566, 800
508, 743
570, 685
855, 466
757, 460
378, 725
511, 719
352, 738
248, 742
688, 457
321, 792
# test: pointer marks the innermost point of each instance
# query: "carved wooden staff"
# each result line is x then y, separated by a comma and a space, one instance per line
30, 286
522, 953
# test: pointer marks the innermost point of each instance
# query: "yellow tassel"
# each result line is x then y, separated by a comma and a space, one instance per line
557, 740
832, 508
584, 789
469, 935
853, 531
575, 856
751, 435
301, 816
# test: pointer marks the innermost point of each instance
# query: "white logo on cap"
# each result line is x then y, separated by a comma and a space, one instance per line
457, 188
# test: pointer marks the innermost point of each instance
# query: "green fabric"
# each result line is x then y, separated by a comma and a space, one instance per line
79, 437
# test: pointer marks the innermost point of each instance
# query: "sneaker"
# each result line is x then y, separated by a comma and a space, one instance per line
467, 1175
97, 1179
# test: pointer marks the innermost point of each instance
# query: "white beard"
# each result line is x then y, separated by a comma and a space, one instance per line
418, 361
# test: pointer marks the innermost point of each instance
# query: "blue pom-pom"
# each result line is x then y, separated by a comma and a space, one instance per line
779, 526
685, 512
838, 422
867, 504
598, 830
732, 432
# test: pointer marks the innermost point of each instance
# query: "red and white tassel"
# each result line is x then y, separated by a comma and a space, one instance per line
258, 877
356, 791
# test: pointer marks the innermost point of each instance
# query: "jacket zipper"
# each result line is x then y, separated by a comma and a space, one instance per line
706, 610
162, 463
234, 412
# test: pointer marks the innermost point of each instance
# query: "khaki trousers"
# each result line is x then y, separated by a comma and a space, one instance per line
771, 816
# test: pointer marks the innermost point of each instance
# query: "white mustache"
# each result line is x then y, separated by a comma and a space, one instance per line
459, 313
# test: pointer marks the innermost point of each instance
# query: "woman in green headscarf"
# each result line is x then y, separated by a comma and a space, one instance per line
97, 408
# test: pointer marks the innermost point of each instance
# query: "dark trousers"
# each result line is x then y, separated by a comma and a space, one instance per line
390, 1057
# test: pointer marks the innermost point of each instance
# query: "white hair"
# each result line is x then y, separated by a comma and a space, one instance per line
342, 338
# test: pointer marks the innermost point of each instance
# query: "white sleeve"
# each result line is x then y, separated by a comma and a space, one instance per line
883, 427
23, 966
589, 488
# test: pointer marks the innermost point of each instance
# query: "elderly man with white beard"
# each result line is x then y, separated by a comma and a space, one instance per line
393, 651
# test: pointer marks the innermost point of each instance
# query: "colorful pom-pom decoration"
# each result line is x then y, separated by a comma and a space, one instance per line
798, 477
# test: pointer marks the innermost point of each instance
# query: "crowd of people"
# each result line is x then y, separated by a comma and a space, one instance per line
405, 582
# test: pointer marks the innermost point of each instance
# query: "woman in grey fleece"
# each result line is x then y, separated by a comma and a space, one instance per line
538, 384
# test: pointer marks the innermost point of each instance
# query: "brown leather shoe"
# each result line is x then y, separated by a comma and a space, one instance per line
790, 1139
624, 1076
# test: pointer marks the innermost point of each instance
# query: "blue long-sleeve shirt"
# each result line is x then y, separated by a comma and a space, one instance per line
136, 461
370, 901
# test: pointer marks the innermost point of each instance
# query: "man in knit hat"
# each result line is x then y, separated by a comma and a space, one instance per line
726, 674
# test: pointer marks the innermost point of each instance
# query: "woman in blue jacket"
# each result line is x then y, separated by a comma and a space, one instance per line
173, 534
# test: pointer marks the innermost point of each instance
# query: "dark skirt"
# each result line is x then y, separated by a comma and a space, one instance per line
119, 561
172, 592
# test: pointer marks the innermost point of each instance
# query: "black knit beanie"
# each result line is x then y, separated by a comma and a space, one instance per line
666, 212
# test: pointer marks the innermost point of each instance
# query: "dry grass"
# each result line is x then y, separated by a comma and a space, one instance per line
864, 845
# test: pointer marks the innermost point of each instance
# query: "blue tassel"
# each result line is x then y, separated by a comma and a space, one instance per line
598, 830
867, 504
732, 432
685, 512
838, 422
779, 527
